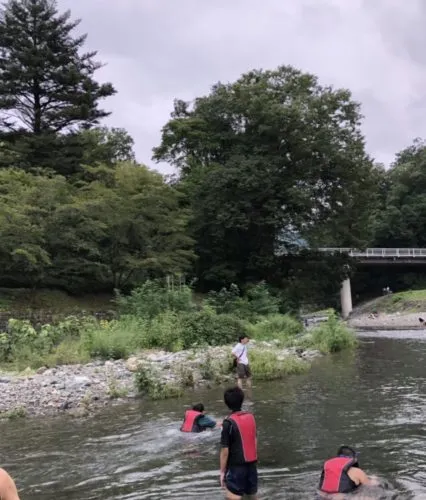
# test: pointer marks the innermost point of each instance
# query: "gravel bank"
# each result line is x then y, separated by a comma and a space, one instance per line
79, 390
383, 321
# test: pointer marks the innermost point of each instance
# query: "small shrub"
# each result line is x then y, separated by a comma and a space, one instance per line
69, 352
117, 342
166, 331
266, 365
227, 301
114, 391
185, 375
260, 300
153, 298
216, 370
14, 413
278, 326
147, 383
206, 327
332, 336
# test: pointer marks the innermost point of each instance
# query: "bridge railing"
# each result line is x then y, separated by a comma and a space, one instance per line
379, 252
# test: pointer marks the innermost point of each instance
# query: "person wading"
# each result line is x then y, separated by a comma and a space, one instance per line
8, 489
239, 352
238, 454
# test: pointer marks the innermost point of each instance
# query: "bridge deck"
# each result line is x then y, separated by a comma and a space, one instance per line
380, 253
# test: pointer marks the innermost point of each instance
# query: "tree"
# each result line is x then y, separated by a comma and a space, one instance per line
26, 203
402, 222
46, 84
273, 152
122, 226
107, 146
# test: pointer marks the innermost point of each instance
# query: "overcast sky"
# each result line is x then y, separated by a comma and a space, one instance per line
158, 50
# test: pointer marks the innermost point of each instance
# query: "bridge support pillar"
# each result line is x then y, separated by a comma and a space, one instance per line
346, 298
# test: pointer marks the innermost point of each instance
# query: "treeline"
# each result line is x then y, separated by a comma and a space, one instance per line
267, 165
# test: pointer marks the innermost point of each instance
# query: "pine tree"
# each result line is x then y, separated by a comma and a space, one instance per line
46, 82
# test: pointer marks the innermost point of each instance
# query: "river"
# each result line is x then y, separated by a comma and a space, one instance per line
374, 399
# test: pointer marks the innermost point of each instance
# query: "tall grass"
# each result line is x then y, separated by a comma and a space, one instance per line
267, 365
154, 317
332, 336
278, 327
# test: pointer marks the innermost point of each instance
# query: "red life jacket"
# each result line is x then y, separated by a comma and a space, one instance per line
190, 421
334, 477
246, 426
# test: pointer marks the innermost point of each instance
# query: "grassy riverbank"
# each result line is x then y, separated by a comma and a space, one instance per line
407, 302
154, 317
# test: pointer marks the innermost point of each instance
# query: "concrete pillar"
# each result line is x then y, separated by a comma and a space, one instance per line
346, 298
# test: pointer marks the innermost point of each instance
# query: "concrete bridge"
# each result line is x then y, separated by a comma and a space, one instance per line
374, 256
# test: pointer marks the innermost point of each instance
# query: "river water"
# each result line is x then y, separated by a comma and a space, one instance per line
374, 399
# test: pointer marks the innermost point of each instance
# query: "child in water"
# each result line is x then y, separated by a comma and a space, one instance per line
196, 420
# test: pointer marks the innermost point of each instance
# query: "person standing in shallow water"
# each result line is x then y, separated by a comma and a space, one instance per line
239, 353
8, 489
238, 454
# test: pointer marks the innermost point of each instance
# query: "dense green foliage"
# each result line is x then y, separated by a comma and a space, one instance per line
270, 164
173, 320
267, 156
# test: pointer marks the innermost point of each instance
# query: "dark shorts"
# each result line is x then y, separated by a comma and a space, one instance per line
243, 371
242, 479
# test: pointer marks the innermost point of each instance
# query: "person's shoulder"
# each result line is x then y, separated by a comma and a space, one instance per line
7, 486
358, 475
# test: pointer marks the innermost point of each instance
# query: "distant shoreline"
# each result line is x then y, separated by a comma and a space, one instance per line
387, 321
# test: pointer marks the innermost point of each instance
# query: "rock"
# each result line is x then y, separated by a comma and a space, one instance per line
133, 364
5, 380
79, 412
41, 370
80, 381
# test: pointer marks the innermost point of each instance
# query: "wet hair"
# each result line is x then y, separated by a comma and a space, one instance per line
242, 337
234, 398
198, 407
347, 451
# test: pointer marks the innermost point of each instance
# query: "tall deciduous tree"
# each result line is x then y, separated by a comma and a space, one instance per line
273, 152
122, 226
46, 83
402, 222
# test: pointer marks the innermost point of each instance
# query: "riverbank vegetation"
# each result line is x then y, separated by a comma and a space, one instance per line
156, 316
401, 302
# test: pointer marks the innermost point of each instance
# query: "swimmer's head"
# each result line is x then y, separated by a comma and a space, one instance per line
198, 407
347, 451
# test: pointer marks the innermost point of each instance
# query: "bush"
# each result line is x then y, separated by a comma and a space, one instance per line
114, 340
216, 370
332, 336
153, 298
258, 301
266, 365
149, 384
227, 301
206, 327
278, 327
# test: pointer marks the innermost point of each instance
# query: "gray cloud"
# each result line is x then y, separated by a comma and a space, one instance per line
157, 50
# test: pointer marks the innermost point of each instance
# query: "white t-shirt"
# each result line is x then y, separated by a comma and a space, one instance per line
240, 350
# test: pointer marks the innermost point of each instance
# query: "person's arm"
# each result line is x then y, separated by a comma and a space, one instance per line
224, 451
234, 352
8, 489
206, 422
358, 476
